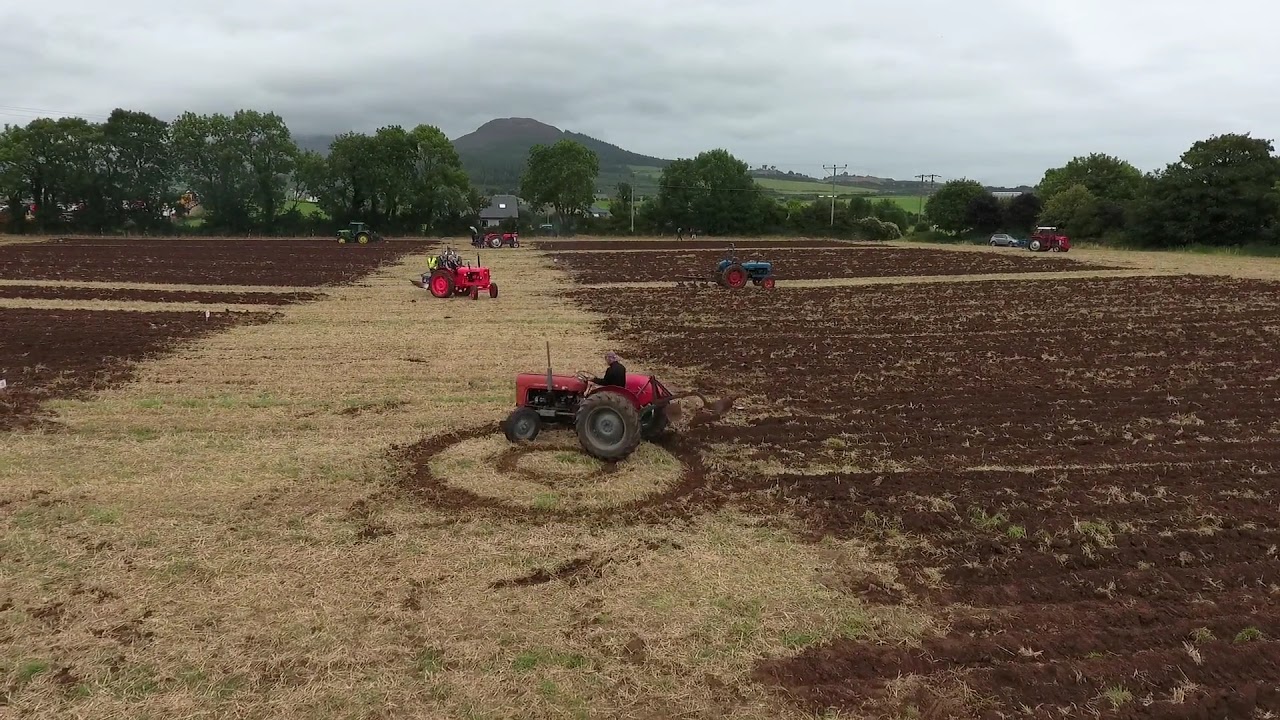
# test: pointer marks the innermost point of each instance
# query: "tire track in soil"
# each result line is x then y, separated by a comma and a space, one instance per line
1126, 591
411, 465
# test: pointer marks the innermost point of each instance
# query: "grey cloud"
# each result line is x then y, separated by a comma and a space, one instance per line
998, 89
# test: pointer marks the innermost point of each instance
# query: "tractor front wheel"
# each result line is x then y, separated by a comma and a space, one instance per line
493, 290
475, 292
608, 426
441, 284
522, 425
735, 276
768, 283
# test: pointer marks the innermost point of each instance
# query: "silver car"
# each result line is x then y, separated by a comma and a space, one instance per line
1003, 240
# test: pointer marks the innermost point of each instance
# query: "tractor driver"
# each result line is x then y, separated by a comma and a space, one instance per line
615, 375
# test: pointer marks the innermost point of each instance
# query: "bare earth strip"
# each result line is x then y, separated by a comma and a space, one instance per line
224, 536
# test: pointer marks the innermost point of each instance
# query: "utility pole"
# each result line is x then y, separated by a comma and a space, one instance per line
922, 178
833, 169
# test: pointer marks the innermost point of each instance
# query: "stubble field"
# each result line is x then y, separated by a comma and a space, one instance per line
1050, 495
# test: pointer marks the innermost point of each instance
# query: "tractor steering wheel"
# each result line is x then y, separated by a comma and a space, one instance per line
583, 377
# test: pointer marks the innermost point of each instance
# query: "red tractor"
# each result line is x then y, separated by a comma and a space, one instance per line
1048, 239
494, 240
447, 276
610, 421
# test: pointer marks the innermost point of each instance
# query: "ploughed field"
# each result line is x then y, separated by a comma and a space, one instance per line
812, 263
64, 352
50, 354
1078, 477
200, 261
561, 245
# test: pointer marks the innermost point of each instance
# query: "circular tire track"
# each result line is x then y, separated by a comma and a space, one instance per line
413, 466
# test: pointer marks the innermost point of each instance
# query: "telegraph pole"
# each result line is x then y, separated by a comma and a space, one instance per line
633, 209
833, 169
922, 178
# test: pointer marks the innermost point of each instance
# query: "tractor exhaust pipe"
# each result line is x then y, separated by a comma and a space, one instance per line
550, 386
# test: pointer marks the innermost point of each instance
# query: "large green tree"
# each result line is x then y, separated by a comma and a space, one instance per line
715, 193
1105, 176
13, 184
211, 161
1021, 213
949, 207
1221, 192
561, 176
397, 179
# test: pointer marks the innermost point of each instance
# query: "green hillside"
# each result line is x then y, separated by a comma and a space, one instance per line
495, 154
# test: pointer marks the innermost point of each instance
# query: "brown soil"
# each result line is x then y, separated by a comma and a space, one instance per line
818, 263
46, 292
201, 261
1079, 475
50, 354
564, 245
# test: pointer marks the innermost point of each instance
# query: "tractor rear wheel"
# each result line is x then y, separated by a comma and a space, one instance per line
608, 426
522, 425
735, 276
493, 290
1034, 246
441, 284
495, 242
363, 238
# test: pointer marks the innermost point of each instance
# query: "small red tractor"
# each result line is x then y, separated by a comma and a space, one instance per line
494, 240
447, 276
610, 421
1048, 239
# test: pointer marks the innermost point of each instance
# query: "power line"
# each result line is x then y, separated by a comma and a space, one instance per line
931, 177
833, 169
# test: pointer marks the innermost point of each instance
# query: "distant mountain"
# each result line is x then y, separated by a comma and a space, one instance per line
495, 155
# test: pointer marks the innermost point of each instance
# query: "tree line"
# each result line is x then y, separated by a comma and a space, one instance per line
136, 172
242, 173
1223, 191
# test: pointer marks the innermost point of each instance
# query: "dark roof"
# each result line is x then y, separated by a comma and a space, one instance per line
501, 207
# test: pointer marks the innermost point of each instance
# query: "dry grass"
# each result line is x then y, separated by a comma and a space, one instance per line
222, 538
1162, 262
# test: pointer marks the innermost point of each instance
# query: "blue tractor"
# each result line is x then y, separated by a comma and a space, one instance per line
732, 273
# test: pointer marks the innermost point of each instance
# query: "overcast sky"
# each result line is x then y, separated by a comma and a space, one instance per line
995, 90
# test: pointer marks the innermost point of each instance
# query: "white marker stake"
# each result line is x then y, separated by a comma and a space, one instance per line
206, 314
3, 384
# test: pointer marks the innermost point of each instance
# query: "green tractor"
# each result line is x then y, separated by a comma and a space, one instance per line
358, 233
